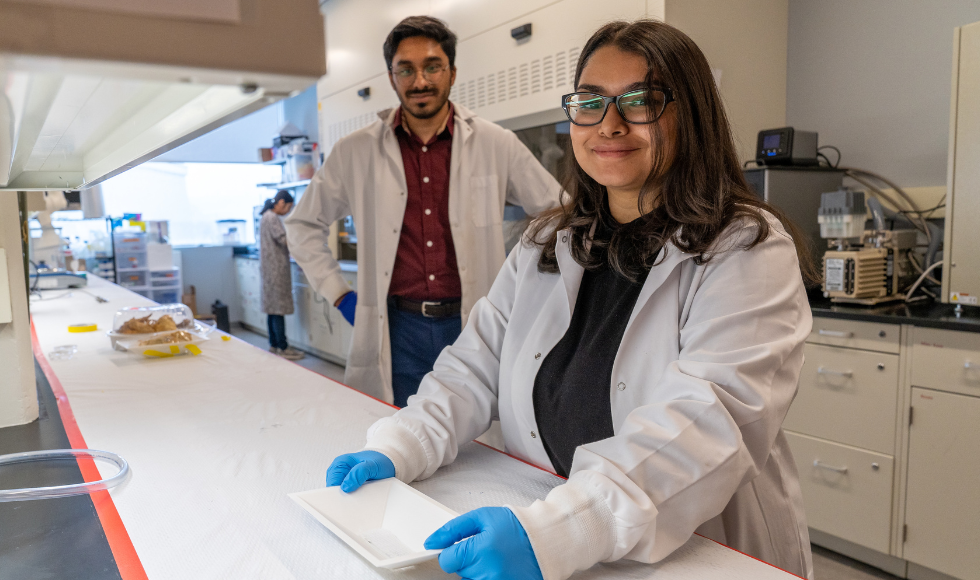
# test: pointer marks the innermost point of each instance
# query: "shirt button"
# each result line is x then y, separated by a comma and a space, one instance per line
537, 356
425, 180
533, 435
621, 386
428, 212
432, 276
424, 149
428, 244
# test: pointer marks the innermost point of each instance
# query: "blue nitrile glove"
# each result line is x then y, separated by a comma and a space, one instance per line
351, 470
347, 306
495, 547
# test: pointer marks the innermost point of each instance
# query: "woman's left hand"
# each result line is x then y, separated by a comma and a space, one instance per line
492, 545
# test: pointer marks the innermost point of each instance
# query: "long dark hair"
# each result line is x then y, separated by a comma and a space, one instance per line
701, 186
281, 195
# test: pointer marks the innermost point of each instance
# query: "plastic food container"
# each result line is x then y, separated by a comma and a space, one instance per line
384, 521
148, 318
164, 349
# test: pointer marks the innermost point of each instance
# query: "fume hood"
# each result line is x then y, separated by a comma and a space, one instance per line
91, 88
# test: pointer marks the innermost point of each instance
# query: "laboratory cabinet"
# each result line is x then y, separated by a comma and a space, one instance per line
884, 431
943, 501
315, 326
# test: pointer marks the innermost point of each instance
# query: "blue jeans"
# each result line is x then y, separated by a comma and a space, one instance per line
277, 331
416, 342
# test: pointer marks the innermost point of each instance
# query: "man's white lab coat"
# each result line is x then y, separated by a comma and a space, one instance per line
364, 176
705, 374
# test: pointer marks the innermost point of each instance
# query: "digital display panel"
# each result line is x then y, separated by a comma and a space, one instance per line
771, 141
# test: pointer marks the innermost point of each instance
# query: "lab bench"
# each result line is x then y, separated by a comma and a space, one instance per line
884, 430
315, 325
216, 442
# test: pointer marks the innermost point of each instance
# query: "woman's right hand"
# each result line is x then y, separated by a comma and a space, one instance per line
351, 470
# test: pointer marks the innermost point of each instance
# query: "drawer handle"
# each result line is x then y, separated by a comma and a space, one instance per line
823, 371
836, 333
835, 469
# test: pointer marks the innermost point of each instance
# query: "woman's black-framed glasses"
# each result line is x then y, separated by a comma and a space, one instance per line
640, 107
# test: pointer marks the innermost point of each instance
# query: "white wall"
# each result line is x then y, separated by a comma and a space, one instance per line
873, 78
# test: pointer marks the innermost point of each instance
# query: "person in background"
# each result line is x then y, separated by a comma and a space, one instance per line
426, 185
277, 280
645, 341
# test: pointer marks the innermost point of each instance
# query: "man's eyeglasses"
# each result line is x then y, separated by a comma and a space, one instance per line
406, 75
640, 107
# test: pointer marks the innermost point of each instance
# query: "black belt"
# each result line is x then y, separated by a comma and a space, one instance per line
428, 308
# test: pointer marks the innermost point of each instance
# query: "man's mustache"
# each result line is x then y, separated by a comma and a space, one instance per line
430, 92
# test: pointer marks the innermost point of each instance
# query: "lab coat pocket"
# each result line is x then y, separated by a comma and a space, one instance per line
486, 208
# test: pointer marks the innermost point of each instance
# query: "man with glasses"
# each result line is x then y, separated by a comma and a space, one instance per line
426, 185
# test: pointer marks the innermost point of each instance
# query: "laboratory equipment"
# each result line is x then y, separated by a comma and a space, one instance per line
862, 266
796, 191
961, 270
63, 490
786, 146
46, 279
232, 232
48, 251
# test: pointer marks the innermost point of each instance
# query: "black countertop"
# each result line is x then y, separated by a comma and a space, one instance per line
929, 315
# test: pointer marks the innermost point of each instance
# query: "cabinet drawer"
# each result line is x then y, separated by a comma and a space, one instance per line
854, 334
849, 396
946, 360
847, 492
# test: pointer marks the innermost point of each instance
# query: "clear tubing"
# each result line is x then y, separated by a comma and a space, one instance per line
29, 493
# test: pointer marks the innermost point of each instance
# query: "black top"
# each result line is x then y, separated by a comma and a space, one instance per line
928, 315
572, 387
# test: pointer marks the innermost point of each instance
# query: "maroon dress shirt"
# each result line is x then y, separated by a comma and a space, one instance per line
425, 264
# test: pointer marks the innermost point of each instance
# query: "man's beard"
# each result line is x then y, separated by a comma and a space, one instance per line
431, 109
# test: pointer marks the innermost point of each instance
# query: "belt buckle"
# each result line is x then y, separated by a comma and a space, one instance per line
426, 304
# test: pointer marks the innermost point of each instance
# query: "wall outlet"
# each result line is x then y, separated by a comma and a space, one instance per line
6, 315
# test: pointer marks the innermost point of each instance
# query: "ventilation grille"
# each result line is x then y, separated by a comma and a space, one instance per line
548, 73
541, 74
341, 129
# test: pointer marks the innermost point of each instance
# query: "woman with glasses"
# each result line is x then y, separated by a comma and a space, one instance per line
645, 342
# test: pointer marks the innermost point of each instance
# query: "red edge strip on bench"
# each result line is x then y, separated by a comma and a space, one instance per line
128, 562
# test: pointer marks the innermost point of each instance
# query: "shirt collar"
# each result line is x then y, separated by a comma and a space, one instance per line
449, 126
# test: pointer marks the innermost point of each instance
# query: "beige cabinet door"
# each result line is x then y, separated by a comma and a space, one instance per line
943, 501
847, 395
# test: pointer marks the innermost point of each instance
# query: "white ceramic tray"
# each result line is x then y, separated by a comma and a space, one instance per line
385, 521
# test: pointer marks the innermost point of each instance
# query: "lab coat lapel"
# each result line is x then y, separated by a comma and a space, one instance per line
570, 270
658, 274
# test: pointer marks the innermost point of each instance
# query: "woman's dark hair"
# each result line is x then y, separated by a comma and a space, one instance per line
701, 186
281, 195
425, 26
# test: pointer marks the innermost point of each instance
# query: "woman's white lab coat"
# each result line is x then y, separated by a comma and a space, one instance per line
704, 376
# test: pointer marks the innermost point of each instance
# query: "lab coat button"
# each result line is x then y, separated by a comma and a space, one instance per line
537, 356
564, 239
533, 435
621, 386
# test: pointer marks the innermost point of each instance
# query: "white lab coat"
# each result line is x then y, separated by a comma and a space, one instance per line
364, 176
705, 374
